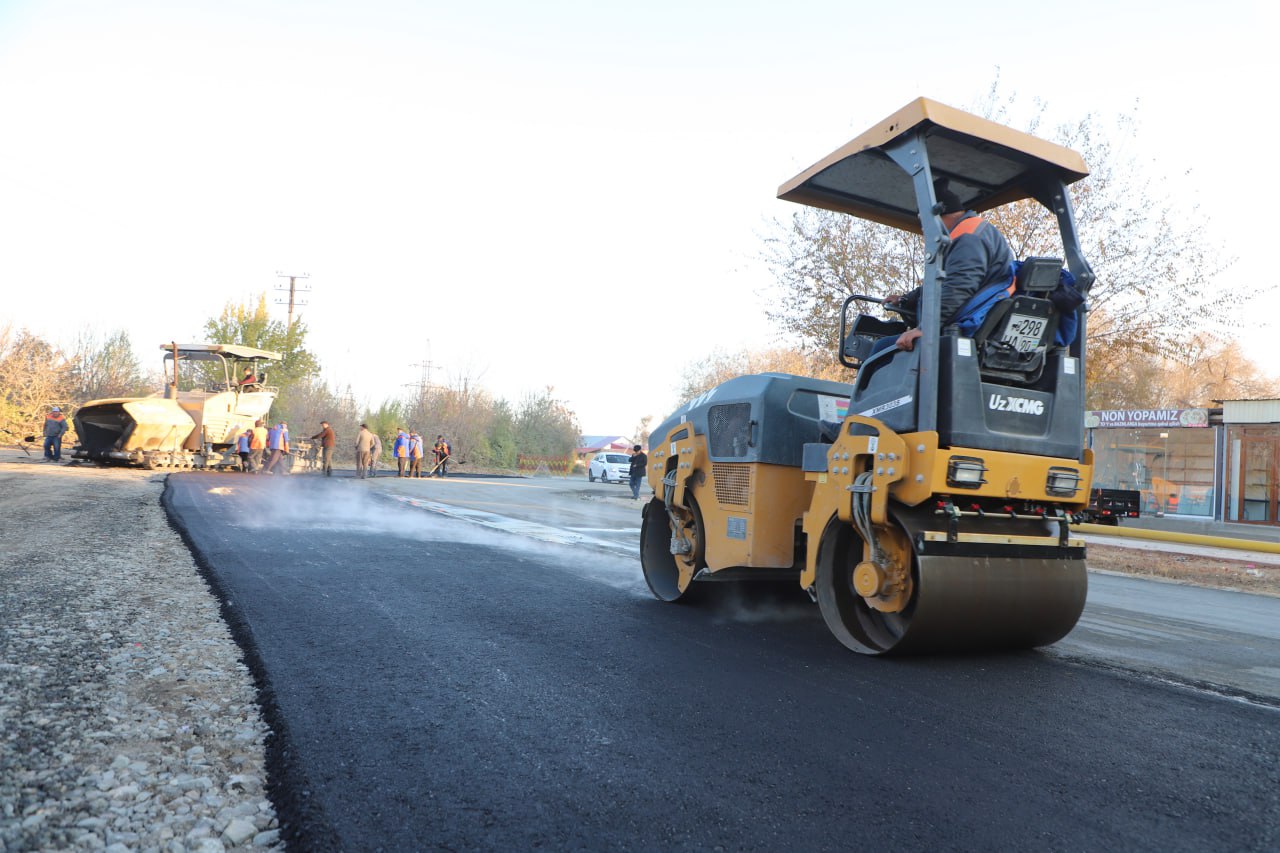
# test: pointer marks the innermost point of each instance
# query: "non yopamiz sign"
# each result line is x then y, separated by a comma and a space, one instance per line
1137, 418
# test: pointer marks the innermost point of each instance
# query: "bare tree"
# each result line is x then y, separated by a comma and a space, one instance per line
1155, 266
722, 366
1208, 369
304, 403
34, 375
464, 413
820, 257
103, 367
640, 435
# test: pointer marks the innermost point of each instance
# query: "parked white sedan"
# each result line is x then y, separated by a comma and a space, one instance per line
610, 468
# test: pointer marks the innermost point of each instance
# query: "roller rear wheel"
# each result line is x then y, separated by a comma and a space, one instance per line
661, 571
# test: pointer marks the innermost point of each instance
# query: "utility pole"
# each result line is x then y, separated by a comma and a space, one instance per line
294, 289
426, 367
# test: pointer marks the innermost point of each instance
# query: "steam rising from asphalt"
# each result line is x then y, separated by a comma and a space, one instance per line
309, 504
775, 601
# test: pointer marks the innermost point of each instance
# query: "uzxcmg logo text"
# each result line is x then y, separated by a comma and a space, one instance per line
1021, 405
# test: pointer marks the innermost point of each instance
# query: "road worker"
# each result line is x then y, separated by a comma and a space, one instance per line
415, 455
400, 450
442, 451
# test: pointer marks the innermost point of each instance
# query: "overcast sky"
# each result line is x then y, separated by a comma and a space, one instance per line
566, 194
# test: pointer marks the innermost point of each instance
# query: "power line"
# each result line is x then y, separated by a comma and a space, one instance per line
426, 367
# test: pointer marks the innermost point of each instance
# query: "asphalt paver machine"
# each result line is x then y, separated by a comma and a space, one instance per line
925, 506
194, 422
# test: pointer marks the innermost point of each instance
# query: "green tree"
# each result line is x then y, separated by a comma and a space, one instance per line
251, 324
545, 426
385, 420
502, 436
1155, 266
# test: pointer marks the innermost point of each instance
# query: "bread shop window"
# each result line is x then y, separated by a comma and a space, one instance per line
1166, 454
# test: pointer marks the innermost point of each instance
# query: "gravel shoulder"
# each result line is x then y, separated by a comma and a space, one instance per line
128, 719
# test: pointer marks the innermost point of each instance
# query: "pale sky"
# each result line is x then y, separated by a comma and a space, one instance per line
556, 193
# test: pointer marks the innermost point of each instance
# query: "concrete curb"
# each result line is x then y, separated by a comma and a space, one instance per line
1181, 538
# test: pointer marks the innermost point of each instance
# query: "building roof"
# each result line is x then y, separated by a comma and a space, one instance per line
593, 443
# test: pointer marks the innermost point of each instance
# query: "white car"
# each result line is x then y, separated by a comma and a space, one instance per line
610, 467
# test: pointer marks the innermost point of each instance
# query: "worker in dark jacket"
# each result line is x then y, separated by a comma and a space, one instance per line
979, 257
639, 462
327, 441
441, 451
55, 426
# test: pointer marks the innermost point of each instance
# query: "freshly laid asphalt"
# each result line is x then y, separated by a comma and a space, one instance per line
434, 685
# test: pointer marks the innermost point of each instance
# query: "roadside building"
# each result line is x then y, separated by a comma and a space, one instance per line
1221, 464
590, 445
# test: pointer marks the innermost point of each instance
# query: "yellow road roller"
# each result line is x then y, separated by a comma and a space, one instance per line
926, 505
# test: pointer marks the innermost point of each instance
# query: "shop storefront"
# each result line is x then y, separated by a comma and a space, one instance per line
1169, 455
1252, 460
1222, 464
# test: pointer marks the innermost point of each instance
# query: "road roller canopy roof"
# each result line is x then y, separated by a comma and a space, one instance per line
211, 352
987, 165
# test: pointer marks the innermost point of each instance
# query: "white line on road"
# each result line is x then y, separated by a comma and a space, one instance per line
531, 529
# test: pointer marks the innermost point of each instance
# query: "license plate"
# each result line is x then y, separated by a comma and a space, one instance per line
1023, 332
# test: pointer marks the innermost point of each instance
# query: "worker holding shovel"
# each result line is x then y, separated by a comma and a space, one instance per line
442, 452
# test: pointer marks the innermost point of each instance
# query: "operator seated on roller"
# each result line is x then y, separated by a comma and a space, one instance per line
978, 258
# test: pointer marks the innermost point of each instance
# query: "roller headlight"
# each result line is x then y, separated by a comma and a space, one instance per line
965, 472
1062, 482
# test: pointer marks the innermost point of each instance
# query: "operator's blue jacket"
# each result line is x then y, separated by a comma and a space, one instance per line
978, 258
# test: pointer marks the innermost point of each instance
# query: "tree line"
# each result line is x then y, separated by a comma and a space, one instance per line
36, 375
484, 430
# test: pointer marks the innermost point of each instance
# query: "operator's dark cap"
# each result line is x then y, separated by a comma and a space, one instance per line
636, 448
949, 200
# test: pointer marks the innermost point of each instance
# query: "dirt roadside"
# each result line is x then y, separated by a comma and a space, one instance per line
1212, 572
